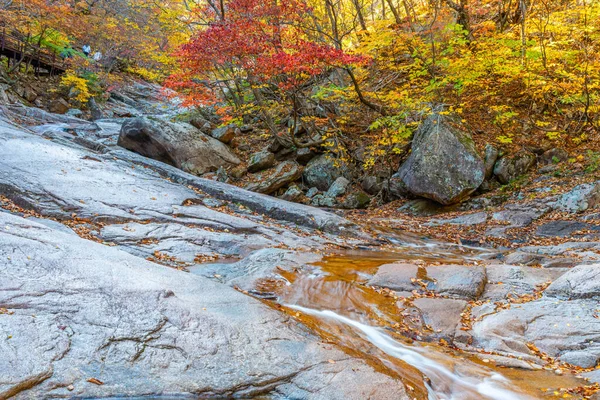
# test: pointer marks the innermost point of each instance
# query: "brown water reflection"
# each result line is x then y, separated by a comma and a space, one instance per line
337, 284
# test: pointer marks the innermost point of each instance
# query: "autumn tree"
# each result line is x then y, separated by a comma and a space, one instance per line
255, 54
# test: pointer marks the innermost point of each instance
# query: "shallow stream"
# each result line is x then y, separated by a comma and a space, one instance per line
333, 299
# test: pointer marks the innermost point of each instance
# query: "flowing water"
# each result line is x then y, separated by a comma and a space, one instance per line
332, 298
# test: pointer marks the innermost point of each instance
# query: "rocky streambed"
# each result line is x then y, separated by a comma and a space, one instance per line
122, 276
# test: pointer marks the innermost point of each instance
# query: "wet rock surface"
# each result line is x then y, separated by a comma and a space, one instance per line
78, 311
81, 311
452, 280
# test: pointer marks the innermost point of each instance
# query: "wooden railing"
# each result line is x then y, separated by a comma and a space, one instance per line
15, 46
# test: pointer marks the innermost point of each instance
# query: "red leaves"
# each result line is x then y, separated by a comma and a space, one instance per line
257, 41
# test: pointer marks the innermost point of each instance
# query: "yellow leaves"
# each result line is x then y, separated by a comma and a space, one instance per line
77, 86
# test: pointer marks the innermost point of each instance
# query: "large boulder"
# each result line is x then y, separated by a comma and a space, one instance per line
356, 200
180, 145
323, 170
444, 165
269, 181
510, 168
59, 106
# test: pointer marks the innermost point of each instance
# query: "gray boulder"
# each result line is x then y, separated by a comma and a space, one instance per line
95, 110
293, 193
180, 145
261, 161
74, 112
555, 327
201, 123
323, 170
510, 168
395, 188
513, 281
269, 181
443, 316
444, 165
312, 192
372, 185
321, 200
304, 155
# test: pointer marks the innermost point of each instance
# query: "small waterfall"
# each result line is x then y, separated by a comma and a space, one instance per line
472, 381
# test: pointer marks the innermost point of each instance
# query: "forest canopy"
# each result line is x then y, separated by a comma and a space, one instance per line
515, 70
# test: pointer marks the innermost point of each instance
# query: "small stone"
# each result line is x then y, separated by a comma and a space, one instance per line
356, 200
225, 134
313, 191
338, 188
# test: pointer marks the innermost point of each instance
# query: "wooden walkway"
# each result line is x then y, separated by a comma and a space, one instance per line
14, 47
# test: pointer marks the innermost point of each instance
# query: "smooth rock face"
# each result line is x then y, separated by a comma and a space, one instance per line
269, 181
511, 167
442, 315
322, 171
264, 264
581, 282
512, 281
453, 280
566, 228
53, 177
581, 198
555, 327
444, 165
81, 310
260, 161
182, 146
